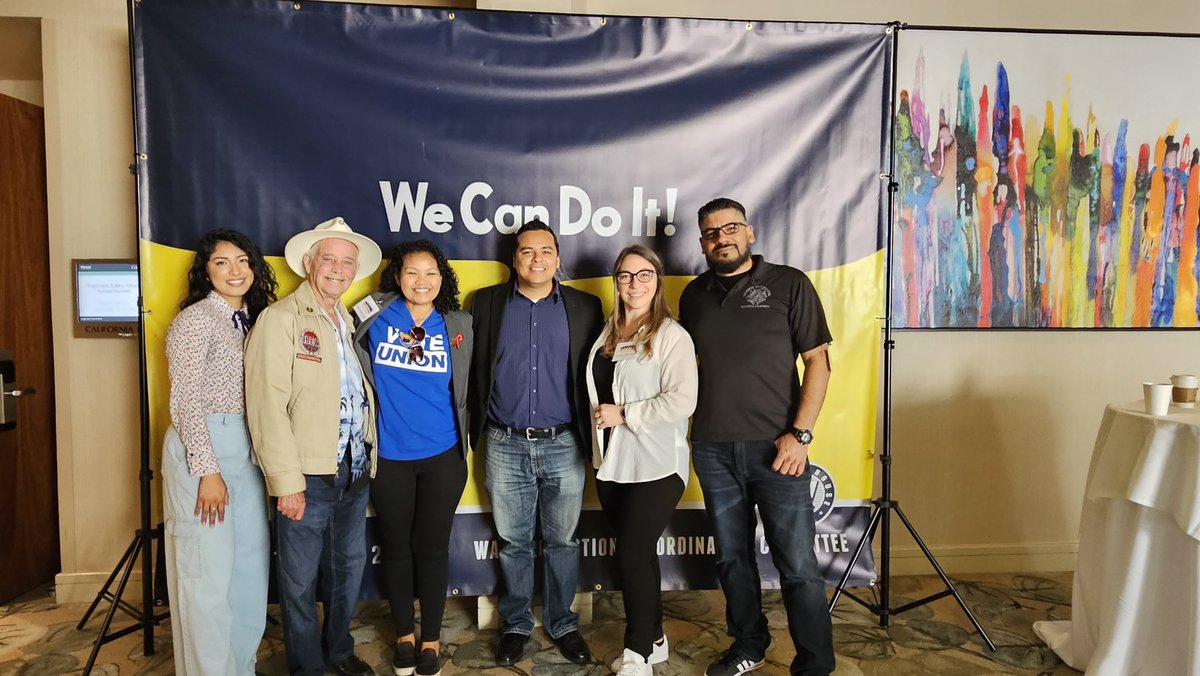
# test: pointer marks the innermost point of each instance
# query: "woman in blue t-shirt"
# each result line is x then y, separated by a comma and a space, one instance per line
415, 343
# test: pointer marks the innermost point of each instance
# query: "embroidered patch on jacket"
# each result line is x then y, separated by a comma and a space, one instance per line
310, 342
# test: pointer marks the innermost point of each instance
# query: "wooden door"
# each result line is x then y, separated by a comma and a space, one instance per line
29, 554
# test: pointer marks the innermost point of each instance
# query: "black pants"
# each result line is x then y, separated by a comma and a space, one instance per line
414, 503
638, 514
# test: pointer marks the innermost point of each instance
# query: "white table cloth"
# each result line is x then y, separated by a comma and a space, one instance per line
1135, 603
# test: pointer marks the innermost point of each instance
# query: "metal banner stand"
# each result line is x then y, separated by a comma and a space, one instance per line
885, 505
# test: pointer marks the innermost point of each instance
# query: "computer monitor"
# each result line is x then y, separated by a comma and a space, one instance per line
106, 298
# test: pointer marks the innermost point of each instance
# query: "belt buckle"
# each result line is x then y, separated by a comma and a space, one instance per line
529, 436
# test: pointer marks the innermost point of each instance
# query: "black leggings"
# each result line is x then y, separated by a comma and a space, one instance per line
638, 514
414, 504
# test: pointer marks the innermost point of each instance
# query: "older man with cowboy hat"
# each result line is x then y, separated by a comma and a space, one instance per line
311, 419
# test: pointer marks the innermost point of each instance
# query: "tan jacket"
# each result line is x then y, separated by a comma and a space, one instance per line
293, 392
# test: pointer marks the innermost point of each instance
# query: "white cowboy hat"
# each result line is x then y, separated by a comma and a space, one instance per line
369, 254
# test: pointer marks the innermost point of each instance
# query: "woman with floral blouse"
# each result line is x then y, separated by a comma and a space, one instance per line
217, 543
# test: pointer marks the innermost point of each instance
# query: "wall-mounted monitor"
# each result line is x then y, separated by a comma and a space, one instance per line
106, 298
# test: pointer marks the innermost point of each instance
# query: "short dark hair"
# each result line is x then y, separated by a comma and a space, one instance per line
537, 224
262, 290
447, 298
717, 205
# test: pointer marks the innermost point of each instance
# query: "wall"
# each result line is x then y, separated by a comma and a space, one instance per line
992, 431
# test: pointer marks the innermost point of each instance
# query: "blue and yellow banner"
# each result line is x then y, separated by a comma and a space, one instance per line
456, 125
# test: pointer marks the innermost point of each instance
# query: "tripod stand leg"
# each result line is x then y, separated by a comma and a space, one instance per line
112, 609
945, 580
108, 583
866, 538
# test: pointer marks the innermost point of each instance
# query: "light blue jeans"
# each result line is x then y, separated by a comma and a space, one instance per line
216, 577
521, 476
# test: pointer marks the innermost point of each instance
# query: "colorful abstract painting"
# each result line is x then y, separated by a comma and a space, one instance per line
1045, 181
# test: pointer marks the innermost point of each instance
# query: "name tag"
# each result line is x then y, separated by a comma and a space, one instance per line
625, 350
365, 309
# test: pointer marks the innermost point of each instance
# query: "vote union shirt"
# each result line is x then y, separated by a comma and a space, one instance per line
416, 408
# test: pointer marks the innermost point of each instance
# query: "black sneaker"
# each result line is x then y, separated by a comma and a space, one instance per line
732, 664
429, 663
352, 666
404, 663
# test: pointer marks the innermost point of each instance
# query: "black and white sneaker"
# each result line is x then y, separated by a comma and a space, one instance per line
404, 662
732, 664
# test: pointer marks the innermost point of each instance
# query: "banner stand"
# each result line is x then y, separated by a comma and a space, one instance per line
142, 546
884, 505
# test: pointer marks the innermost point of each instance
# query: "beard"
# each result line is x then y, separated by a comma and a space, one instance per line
726, 266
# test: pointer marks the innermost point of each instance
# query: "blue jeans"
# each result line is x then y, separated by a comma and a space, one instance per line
521, 474
330, 538
736, 476
216, 577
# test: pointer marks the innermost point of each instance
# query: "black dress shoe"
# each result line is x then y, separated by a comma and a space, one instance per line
352, 666
510, 648
573, 647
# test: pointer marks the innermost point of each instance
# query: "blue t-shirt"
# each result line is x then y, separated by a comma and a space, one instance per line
416, 407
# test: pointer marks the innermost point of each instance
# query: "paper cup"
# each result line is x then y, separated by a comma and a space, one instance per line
1183, 390
1158, 397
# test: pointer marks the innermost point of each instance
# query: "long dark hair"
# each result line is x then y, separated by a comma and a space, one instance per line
447, 298
262, 290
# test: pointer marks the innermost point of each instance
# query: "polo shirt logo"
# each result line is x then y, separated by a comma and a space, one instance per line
757, 296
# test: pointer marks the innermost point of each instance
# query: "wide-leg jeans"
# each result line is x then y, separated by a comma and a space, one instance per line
216, 577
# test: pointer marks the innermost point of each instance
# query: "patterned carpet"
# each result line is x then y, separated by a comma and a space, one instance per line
38, 637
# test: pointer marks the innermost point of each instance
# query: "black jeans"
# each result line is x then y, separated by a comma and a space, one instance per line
638, 513
414, 503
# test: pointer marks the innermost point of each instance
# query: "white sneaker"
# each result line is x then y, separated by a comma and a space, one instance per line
658, 654
633, 664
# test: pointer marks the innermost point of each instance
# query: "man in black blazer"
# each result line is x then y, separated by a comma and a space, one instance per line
529, 407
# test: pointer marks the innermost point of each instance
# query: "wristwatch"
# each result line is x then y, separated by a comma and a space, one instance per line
803, 436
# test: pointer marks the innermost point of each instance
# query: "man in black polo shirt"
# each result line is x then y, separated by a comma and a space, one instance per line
529, 405
750, 319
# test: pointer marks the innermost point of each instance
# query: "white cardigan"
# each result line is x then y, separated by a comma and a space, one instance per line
659, 394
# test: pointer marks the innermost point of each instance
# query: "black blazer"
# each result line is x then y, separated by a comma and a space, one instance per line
585, 319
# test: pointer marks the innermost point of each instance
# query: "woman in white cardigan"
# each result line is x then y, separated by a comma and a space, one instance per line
642, 380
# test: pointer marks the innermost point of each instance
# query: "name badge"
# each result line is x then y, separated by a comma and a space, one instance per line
625, 350
365, 309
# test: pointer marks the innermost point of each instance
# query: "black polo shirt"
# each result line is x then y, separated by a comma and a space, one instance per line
748, 341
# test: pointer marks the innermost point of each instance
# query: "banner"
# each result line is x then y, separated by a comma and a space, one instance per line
458, 126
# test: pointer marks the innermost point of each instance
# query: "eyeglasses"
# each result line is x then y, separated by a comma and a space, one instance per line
643, 276
711, 234
415, 343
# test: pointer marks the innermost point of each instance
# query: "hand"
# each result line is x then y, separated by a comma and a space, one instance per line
791, 456
211, 498
291, 506
608, 415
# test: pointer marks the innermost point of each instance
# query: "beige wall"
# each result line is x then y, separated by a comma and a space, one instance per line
993, 431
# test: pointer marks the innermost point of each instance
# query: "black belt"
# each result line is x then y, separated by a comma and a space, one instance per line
534, 433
